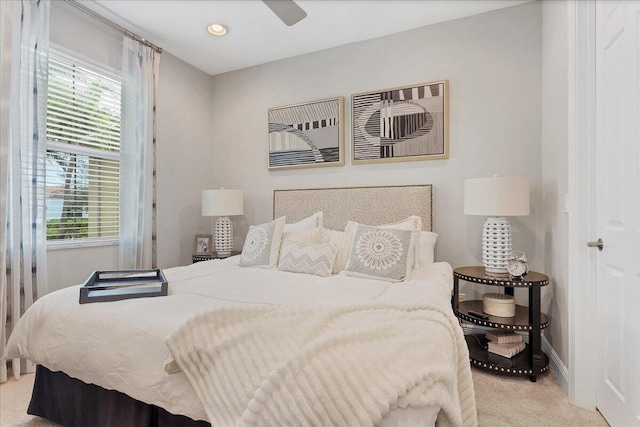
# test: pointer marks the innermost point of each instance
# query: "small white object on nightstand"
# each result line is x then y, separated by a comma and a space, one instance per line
500, 305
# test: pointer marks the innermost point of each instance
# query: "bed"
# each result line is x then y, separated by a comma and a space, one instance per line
131, 362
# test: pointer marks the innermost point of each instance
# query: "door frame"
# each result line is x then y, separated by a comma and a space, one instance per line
582, 269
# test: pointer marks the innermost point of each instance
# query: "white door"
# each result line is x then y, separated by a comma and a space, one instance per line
618, 211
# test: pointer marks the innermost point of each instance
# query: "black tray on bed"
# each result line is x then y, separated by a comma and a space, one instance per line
114, 285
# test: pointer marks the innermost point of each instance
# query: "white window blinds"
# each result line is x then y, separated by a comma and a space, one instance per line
83, 150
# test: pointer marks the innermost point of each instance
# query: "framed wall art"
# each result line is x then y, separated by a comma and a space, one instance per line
401, 124
307, 135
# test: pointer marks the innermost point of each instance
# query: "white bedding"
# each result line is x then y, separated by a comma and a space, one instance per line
119, 345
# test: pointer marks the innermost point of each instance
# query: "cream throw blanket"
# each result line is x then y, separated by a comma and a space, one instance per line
338, 366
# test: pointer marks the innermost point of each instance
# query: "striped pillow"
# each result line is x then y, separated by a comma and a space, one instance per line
307, 236
342, 241
308, 258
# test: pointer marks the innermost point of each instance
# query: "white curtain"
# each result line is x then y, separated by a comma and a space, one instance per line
24, 44
140, 65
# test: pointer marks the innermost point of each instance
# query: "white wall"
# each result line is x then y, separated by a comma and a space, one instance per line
508, 116
492, 62
76, 31
554, 227
184, 153
183, 149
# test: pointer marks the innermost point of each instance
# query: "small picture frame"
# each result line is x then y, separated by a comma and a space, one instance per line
202, 244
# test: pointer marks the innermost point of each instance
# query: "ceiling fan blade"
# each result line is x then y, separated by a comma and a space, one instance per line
289, 12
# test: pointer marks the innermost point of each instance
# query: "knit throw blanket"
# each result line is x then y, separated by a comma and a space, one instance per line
338, 366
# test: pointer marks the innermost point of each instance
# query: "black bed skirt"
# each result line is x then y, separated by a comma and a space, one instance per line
73, 403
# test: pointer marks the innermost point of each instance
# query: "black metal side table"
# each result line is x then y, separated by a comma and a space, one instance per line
213, 255
532, 361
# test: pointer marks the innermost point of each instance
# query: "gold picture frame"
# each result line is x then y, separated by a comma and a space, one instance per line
309, 134
406, 123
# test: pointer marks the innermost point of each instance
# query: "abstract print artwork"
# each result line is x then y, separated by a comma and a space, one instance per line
407, 123
306, 135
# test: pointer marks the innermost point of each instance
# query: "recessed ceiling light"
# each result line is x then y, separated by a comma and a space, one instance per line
217, 29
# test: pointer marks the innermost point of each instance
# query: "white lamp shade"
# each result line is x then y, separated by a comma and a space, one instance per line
496, 196
222, 202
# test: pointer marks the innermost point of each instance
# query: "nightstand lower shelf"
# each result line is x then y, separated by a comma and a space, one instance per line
517, 365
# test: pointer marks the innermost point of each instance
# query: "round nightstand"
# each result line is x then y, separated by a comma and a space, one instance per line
213, 255
532, 361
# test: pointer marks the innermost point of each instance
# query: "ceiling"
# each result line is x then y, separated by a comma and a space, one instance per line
257, 36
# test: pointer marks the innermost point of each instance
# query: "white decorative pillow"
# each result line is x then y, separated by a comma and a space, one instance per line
262, 245
311, 235
308, 258
313, 221
412, 222
426, 249
384, 254
342, 241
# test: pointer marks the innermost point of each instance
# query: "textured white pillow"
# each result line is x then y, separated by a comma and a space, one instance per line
308, 258
412, 222
384, 254
426, 249
262, 245
311, 235
312, 221
342, 241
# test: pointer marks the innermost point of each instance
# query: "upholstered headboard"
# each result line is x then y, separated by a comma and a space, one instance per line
366, 205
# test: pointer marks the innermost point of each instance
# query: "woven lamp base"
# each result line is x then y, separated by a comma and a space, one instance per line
224, 235
496, 244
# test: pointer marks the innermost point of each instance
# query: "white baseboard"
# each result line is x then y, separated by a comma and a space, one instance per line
555, 364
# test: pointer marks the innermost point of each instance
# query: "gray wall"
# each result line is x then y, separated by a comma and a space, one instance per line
508, 89
554, 227
184, 157
492, 62
184, 150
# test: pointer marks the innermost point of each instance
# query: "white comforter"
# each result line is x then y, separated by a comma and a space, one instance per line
119, 345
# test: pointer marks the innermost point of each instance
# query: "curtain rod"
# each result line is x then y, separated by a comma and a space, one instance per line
112, 24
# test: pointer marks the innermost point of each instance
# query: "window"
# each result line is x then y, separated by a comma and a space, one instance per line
83, 150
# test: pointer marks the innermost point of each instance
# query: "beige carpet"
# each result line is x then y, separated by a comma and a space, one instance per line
501, 401
515, 401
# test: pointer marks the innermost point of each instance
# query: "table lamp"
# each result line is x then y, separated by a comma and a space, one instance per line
496, 197
222, 203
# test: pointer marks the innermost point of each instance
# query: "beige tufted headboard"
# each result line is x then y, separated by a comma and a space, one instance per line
366, 205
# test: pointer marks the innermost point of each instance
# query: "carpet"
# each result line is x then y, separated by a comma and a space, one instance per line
503, 401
